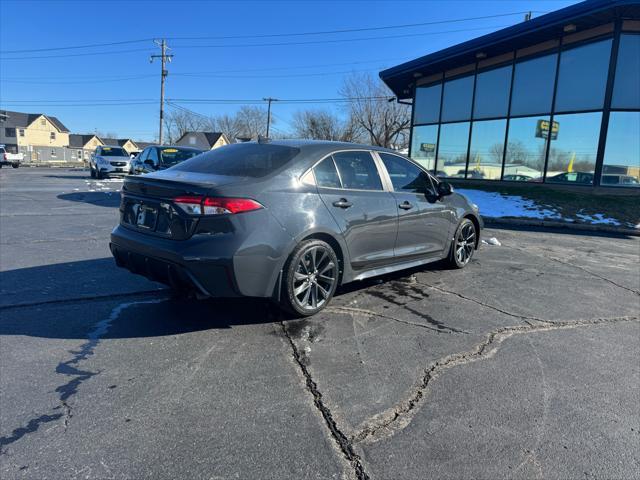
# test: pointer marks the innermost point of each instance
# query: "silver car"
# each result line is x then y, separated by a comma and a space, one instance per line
109, 160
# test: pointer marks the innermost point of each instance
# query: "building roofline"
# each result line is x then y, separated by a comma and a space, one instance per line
534, 28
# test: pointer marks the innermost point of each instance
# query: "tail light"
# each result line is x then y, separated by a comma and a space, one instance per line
4, 155
216, 205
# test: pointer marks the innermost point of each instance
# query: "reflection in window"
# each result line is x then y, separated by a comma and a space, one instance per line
357, 170
423, 145
533, 86
405, 176
621, 166
487, 147
572, 157
326, 174
457, 99
583, 77
626, 91
492, 93
452, 151
526, 149
427, 104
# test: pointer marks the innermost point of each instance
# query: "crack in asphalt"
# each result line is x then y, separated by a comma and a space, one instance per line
586, 270
69, 368
363, 311
396, 418
486, 305
344, 443
160, 292
439, 326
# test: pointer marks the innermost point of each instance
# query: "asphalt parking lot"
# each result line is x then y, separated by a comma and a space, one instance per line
526, 364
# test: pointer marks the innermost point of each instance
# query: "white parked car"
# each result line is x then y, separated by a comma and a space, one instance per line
9, 159
108, 160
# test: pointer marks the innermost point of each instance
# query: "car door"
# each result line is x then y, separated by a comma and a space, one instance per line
350, 186
424, 222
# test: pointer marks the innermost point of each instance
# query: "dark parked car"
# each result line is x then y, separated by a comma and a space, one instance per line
158, 157
290, 221
585, 178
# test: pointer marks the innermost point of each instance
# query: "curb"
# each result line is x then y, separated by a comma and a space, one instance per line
53, 165
525, 222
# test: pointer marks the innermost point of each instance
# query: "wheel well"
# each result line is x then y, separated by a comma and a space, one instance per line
476, 223
325, 237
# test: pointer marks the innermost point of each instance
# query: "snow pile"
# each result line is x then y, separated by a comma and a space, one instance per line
495, 204
598, 218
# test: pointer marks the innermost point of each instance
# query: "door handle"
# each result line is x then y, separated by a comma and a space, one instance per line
342, 203
405, 205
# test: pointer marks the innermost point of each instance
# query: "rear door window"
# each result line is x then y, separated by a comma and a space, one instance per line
241, 160
357, 170
326, 174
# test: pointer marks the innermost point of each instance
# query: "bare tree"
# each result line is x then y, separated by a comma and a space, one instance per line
179, 122
252, 121
323, 125
384, 123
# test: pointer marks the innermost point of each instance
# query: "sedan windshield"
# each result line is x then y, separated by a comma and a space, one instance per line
113, 152
172, 156
241, 160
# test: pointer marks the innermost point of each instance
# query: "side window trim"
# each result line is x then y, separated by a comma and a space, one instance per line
434, 182
376, 160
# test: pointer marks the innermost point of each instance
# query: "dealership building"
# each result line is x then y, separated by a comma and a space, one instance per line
552, 100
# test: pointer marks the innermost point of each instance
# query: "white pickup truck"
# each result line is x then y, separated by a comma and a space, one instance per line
7, 158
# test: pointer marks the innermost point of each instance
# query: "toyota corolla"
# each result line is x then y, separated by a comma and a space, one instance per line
289, 221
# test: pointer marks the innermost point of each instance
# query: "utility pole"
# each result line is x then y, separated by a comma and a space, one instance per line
163, 74
269, 100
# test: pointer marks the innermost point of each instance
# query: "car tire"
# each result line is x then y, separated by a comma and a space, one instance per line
463, 244
310, 278
99, 175
15, 165
92, 172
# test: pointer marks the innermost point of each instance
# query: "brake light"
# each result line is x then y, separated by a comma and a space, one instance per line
216, 205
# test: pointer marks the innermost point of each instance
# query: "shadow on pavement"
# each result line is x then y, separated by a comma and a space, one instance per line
558, 231
101, 199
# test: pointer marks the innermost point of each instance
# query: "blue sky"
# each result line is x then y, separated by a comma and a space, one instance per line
216, 67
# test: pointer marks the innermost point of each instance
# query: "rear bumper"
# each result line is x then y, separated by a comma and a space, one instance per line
162, 264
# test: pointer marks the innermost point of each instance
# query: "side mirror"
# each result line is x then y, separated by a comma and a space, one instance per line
444, 189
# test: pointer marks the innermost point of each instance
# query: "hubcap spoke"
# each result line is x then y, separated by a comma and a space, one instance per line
301, 288
314, 278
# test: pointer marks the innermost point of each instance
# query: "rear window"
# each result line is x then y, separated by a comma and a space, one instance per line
171, 156
241, 160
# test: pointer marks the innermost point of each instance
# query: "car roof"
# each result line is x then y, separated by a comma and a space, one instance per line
324, 146
110, 146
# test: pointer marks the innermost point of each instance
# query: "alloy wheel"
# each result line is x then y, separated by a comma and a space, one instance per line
314, 278
465, 243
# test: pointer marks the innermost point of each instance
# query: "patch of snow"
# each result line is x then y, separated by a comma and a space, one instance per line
598, 218
494, 241
495, 204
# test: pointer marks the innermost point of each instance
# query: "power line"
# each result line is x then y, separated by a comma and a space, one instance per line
340, 40
110, 52
270, 35
164, 58
350, 30
90, 45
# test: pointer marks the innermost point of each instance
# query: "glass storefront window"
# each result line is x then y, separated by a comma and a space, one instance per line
452, 151
487, 148
572, 158
626, 90
427, 104
457, 99
621, 166
526, 149
492, 93
423, 145
533, 86
583, 77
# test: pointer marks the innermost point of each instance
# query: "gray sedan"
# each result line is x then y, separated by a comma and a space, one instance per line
289, 221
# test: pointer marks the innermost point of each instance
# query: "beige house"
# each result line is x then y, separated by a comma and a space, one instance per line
82, 146
126, 143
203, 140
36, 135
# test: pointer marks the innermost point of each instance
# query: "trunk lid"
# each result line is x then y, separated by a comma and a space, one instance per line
147, 202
